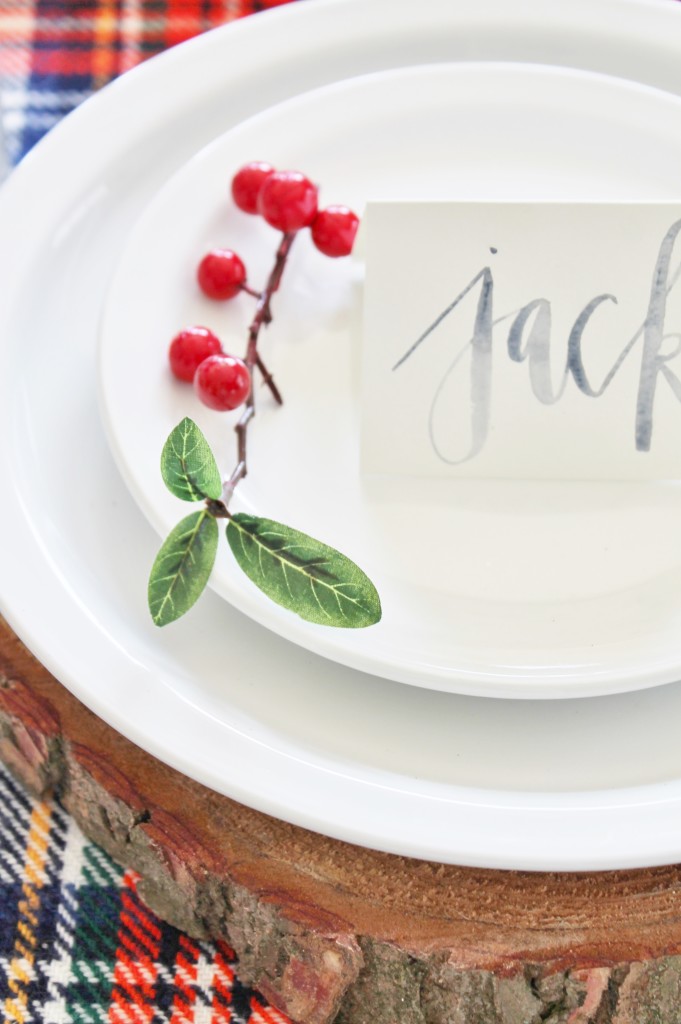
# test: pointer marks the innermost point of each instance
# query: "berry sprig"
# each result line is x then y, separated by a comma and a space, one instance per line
296, 571
287, 200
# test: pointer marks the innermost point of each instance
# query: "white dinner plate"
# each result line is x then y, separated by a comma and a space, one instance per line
517, 784
512, 590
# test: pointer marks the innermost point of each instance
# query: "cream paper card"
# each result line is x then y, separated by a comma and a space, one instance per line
519, 340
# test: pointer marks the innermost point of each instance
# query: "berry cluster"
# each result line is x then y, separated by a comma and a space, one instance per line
287, 200
221, 381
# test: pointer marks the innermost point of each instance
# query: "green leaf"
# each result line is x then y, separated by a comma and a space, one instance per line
302, 574
182, 567
188, 465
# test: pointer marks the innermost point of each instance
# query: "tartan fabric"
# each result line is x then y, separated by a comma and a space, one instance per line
78, 945
56, 53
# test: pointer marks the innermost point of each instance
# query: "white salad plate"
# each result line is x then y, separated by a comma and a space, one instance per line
504, 589
536, 784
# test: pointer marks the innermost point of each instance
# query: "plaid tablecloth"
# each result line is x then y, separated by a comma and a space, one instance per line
56, 53
76, 942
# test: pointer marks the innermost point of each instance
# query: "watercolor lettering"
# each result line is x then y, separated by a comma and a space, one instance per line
529, 339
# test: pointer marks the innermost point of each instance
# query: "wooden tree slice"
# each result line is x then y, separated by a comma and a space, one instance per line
333, 932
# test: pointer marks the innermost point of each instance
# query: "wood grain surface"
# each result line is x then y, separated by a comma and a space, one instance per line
334, 932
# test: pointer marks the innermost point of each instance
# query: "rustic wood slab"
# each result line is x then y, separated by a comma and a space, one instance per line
333, 932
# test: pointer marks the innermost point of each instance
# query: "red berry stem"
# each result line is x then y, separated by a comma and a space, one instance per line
268, 379
241, 469
249, 291
262, 317
263, 313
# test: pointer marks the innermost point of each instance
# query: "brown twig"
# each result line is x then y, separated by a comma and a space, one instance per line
269, 380
249, 291
262, 317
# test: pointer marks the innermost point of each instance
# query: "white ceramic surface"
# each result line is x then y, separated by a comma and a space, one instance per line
533, 784
510, 590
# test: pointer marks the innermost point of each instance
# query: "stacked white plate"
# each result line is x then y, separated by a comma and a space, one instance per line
472, 762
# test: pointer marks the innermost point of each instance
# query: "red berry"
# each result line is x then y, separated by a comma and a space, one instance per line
189, 348
222, 382
334, 229
288, 200
246, 185
220, 274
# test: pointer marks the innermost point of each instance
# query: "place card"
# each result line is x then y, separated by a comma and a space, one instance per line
522, 340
